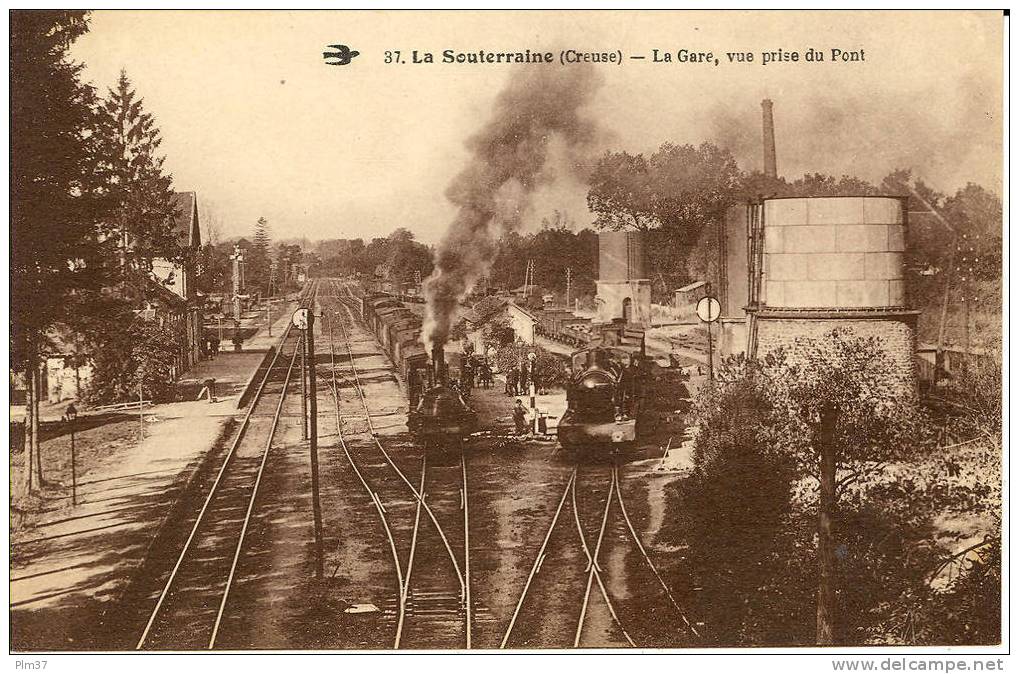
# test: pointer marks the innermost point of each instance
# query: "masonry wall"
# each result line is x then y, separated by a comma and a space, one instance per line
896, 335
522, 323
612, 295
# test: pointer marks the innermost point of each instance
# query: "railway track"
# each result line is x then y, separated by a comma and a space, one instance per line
190, 606
577, 562
433, 602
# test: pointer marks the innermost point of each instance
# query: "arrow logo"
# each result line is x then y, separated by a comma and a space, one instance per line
343, 55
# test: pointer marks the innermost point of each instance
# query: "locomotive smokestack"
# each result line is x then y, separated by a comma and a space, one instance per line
439, 364
770, 165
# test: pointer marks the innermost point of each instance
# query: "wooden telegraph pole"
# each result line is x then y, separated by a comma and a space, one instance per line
569, 278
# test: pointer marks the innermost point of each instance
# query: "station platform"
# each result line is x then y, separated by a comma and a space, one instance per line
69, 564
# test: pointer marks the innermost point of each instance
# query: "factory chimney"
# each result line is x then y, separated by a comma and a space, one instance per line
770, 166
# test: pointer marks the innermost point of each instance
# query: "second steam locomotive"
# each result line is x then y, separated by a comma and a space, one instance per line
605, 395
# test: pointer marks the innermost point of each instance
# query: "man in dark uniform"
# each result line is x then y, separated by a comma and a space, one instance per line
630, 383
520, 418
511, 381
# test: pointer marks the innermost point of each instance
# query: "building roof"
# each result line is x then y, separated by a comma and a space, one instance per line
156, 292
523, 310
490, 306
693, 286
186, 221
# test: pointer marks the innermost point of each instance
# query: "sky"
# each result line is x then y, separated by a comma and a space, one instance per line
257, 124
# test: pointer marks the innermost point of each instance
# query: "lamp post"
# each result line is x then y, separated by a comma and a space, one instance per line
71, 414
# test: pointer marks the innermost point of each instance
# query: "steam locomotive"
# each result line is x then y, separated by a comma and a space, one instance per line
438, 415
605, 396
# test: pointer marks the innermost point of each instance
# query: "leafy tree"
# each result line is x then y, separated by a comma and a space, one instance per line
953, 248
554, 250
498, 331
405, 257
841, 412
54, 252
622, 193
140, 358
837, 416
675, 194
215, 273
822, 185
139, 194
510, 261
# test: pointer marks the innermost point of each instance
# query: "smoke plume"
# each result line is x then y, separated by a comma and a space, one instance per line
870, 136
541, 108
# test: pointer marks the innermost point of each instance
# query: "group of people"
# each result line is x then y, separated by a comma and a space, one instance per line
210, 346
474, 373
519, 379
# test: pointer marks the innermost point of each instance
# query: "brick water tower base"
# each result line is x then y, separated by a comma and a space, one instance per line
893, 329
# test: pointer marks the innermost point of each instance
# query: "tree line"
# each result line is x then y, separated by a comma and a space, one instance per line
680, 192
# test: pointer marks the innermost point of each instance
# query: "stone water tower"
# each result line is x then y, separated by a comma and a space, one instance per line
624, 290
821, 263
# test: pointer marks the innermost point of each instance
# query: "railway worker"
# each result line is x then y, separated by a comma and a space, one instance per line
536, 378
485, 375
512, 378
524, 379
630, 380
520, 418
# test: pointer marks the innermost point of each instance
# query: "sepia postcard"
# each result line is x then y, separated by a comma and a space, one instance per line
528, 331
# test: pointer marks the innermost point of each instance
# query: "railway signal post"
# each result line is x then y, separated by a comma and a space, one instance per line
316, 504
708, 310
304, 320
304, 392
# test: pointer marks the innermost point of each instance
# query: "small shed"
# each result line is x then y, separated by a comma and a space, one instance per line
686, 298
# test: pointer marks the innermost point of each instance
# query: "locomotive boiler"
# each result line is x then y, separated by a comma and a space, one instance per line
439, 415
605, 394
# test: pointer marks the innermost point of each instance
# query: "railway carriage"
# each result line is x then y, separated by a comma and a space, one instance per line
438, 414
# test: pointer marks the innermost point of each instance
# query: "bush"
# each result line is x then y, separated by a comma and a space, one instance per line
739, 502
550, 367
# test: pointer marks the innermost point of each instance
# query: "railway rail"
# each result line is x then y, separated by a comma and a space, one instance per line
411, 605
189, 609
429, 554
592, 555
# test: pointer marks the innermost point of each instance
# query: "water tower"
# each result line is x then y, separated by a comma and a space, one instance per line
623, 289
